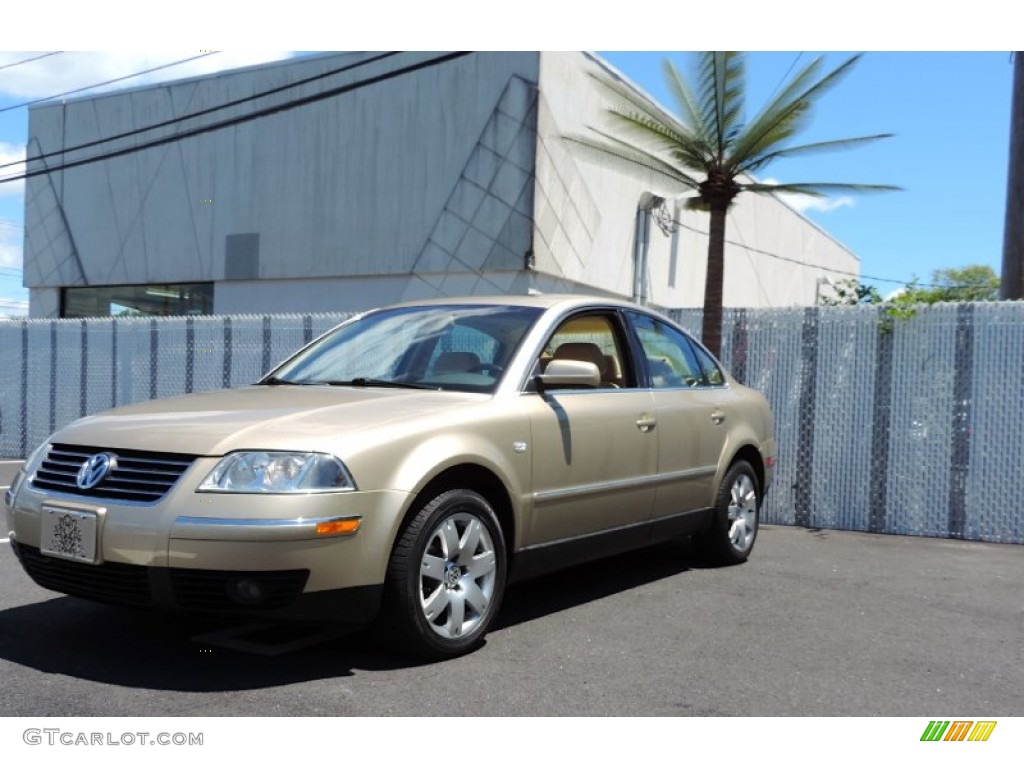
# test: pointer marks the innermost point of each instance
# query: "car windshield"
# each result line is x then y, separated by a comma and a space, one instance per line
457, 347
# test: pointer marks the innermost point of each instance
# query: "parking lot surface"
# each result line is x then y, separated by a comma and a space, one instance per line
816, 623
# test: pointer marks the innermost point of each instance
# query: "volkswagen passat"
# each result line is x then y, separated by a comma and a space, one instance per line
403, 468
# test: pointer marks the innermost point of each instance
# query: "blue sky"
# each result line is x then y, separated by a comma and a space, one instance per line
950, 113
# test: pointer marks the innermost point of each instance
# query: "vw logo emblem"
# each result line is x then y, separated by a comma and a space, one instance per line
94, 469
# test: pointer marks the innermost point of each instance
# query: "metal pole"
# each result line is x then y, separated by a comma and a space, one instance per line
1012, 282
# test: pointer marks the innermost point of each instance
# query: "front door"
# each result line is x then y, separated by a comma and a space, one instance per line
595, 451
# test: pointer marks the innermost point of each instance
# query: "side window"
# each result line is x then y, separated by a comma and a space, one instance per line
713, 376
671, 361
590, 339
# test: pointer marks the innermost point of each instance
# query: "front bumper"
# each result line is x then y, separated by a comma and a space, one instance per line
256, 555
202, 592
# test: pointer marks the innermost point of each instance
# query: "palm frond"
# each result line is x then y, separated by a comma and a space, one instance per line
685, 99
816, 188
809, 149
648, 128
722, 85
630, 157
690, 150
786, 114
630, 100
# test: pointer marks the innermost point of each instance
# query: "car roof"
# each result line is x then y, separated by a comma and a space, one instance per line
543, 301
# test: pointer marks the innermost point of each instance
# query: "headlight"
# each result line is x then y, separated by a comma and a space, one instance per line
15, 485
278, 472
19, 478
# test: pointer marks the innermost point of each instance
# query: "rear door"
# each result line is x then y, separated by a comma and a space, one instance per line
689, 411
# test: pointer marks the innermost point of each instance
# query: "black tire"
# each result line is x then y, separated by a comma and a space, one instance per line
445, 578
732, 530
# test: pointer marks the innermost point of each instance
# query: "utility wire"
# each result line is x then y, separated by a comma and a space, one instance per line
785, 76
302, 102
287, 106
201, 112
108, 82
823, 268
26, 61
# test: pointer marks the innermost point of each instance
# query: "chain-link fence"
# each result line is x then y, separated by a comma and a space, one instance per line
56, 371
911, 426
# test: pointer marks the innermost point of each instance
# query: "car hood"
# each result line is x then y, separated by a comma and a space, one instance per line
258, 417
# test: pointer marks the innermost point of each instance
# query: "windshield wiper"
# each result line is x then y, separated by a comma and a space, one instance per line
363, 381
273, 381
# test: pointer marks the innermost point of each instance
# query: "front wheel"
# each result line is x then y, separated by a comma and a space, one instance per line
733, 527
445, 578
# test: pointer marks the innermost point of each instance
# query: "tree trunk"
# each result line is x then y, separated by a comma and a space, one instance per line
711, 331
1012, 282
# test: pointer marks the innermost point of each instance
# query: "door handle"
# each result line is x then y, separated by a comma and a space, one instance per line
718, 416
646, 423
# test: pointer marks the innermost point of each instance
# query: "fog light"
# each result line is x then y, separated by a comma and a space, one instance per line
246, 591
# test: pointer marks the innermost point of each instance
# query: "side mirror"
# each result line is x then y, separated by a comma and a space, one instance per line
570, 373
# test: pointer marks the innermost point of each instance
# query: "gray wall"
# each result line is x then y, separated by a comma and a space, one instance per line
586, 210
358, 184
450, 180
912, 427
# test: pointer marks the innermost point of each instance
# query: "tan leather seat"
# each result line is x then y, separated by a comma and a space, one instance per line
587, 352
612, 370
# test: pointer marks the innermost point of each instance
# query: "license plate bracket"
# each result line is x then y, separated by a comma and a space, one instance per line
70, 534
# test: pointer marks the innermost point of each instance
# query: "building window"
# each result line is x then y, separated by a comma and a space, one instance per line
138, 300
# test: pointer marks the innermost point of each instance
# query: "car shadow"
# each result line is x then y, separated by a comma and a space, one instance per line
81, 639
529, 600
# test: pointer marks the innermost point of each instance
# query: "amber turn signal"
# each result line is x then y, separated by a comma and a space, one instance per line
338, 527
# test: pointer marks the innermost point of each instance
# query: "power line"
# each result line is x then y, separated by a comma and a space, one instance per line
858, 275
287, 106
202, 112
785, 76
302, 102
109, 82
26, 61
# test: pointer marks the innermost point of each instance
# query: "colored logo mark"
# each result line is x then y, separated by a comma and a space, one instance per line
958, 730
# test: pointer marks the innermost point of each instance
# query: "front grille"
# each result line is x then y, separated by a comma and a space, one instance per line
116, 583
139, 476
190, 590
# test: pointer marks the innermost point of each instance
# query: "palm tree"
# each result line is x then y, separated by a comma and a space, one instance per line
709, 149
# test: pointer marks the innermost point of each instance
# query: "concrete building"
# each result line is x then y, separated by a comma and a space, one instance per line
350, 180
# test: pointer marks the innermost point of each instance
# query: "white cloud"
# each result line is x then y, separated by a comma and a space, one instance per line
10, 247
11, 153
13, 301
804, 203
824, 204
12, 307
75, 69
895, 294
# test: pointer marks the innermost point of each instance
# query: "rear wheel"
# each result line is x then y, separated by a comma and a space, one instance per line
733, 528
445, 578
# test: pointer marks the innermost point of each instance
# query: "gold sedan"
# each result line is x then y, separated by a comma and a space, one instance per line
403, 468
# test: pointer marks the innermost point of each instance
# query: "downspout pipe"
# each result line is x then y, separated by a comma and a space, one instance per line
641, 247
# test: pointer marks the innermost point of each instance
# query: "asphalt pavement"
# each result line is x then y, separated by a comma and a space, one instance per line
816, 623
